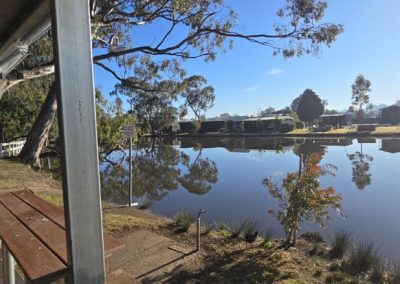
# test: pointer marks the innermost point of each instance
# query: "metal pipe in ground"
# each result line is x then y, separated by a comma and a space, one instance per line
201, 211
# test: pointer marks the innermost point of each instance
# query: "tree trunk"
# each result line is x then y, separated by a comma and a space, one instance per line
40, 130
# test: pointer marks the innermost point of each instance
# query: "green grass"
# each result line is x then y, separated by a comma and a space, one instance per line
55, 200
386, 130
299, 131
183, 221
341, 242
362, 258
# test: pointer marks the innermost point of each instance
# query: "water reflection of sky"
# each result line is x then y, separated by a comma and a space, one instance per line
373, 213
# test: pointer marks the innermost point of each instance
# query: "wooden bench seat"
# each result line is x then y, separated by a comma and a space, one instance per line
34, 232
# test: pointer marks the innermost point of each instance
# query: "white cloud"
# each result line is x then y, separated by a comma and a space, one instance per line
252, 89
275, 71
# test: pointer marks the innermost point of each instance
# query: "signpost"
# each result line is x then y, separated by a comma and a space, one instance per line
129, 131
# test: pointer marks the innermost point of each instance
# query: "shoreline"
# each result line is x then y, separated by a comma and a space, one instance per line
283, 135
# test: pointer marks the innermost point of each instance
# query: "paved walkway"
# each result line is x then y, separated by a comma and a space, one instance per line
146, 256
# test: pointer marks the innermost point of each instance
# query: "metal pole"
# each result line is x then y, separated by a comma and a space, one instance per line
130, 171
77, 118
8, 266
198, 233
201, 211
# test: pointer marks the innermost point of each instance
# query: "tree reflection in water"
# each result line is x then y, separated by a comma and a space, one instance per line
158, 168
360, 169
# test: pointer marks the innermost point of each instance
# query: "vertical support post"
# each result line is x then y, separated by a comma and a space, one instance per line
130, 171
198, 233
201, 211
77, 118
8, 266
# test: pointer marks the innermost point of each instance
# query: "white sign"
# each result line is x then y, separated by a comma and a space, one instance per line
129, 130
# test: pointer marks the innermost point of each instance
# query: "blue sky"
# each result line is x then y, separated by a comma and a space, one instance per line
248, 78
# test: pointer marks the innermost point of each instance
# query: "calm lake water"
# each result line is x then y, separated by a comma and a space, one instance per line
225, 175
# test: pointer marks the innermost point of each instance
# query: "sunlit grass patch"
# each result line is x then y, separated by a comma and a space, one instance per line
299, 131
55, 200
386, 130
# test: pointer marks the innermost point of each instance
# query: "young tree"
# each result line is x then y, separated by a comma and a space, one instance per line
310, 106
360, 93
302, 198
197, 97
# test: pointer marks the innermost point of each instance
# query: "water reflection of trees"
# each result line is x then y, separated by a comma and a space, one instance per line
360, 169
158, 168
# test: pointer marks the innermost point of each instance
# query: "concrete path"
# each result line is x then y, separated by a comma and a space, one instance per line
146, 256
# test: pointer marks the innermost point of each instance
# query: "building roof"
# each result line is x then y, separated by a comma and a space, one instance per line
390, 107
268, 118
21, 23
333, 115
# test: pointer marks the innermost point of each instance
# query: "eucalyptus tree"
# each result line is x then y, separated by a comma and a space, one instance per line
197, 97
360, 93
186, 29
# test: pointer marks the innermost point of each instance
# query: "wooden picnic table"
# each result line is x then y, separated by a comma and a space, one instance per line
33, 231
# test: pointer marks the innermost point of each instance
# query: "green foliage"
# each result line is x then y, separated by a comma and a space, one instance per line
235, 231
194, 127
198, 97
20, 106
313, 237
287, 125
300, 125
302, 198
207, 229
360, 90
250, 230
310, 106
183, 221
110, 121
362, 258
395, 274
341, 242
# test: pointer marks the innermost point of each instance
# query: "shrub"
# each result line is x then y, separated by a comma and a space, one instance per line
287, 126
362, 258
340, 244
313, 237
207, 229
235, 231
144, 204
300, 125
250, 230
183, 220
395, 274
335, 278
377, 275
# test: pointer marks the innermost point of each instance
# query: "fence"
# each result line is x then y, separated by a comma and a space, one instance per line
11, 149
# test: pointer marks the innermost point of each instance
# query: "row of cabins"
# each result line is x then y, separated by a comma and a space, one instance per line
283, 123
245, 125
388, 115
